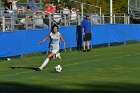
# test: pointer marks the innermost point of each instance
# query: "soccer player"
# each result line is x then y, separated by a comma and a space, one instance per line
55, 38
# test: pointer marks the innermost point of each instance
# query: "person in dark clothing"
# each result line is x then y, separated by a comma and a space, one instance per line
58, 7
7, 5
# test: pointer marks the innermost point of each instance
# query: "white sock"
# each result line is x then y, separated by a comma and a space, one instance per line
58, 55
44, 63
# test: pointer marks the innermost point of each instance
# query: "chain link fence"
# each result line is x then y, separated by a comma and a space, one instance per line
12, 22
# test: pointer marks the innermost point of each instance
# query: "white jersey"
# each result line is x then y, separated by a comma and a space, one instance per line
54, 43
14, 6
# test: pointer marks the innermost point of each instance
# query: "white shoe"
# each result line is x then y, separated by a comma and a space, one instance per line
58, 56
40, 68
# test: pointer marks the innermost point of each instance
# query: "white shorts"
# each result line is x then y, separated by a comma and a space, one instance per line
55, 51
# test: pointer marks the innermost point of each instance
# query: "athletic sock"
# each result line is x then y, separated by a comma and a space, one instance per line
58, 55
44, 63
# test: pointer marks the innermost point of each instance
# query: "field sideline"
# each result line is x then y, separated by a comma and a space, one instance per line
114, 69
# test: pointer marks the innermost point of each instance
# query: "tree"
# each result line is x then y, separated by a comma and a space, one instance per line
119, 6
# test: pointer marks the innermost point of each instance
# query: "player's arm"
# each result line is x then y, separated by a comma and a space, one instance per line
64, 44
44, 39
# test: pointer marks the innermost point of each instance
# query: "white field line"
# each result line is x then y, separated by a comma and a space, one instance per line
97, 60
13, 74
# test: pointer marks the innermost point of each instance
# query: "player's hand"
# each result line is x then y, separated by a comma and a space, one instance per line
40, 43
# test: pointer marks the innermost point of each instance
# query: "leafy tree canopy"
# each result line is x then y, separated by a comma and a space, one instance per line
119, 6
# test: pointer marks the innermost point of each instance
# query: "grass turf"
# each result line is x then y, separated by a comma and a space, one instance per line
104, 70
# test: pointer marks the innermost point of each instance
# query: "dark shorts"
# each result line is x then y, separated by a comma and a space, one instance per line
87, 37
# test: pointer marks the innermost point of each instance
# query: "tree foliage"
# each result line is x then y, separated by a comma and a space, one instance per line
119, 6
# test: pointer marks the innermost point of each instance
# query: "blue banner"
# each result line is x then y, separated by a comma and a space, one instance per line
26, 42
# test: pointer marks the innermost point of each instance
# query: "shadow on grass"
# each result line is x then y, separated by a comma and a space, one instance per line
53, 71
32, 68
84, 88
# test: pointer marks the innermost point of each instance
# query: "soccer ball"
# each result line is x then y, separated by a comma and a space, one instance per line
58, 68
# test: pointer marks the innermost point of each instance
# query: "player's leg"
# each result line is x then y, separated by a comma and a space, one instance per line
88, 41
57, 55
53, 57
88, 45
46, 60
56, 51
85, 46
85, 43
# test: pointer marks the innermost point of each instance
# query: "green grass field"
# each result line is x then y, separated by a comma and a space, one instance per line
114, 69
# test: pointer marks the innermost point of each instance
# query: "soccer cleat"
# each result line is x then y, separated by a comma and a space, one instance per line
84, 50
40, 69
58, 56
88, 50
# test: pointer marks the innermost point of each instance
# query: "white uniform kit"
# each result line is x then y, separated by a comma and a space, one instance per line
54, 47
54, 43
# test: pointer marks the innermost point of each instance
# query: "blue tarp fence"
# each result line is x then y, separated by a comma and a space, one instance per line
26, 42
